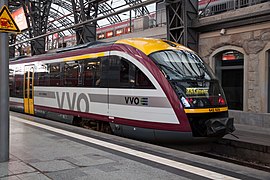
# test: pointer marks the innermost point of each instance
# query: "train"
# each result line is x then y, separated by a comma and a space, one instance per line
152, 90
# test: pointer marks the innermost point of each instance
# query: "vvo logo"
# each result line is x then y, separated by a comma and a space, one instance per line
72, 100
137, 101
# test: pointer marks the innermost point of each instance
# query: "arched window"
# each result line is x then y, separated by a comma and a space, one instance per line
230, 72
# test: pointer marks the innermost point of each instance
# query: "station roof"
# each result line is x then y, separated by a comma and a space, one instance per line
61, 13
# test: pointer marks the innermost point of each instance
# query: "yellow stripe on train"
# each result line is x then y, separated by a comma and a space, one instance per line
86, 56
206, 110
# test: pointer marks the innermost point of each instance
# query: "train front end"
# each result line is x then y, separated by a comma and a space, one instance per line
198, 90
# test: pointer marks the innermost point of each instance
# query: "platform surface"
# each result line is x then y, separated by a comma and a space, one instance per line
44, 151
251, 134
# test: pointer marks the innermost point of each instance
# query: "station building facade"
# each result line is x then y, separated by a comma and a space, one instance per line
240, 57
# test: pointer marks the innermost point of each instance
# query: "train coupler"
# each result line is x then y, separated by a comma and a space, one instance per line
219, 126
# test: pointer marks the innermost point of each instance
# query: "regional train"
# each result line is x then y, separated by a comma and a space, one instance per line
141, 88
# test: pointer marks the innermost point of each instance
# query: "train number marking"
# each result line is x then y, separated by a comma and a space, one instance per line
214, 109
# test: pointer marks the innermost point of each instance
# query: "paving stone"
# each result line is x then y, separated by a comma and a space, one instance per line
10, 178
33, 176
88, 161
109, 167
68, 174
54, 165
17, 167
4, 170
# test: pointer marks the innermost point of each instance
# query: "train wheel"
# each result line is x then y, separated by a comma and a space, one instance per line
77, 121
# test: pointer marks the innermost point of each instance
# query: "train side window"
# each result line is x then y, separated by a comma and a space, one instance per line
142, 81
30, 85
127, 73
11, 82
124, 74
91, 73
114, 72
124, 71
70, 73
41, 75
25, 85
54, 74
18, 89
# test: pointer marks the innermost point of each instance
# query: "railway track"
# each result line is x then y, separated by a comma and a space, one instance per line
228, 152
236, 160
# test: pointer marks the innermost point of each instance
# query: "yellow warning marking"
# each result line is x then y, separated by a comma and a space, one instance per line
7, 23
207, 110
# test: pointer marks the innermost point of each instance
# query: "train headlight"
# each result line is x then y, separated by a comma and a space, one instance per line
185, 102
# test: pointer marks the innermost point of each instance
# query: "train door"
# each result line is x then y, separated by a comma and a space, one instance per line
29, 89
128, 97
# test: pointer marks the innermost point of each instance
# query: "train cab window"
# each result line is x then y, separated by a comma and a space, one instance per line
54, 74
70, 73
91, 73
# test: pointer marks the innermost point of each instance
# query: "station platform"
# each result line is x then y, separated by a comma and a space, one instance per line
44, 149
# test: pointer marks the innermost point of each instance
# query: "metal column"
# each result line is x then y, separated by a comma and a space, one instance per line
37, 13
180, 15
4, 94
83, 12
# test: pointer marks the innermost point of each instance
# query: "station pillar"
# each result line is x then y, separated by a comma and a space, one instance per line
180, 17
4, 94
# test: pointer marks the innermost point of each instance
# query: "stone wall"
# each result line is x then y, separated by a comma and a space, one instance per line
252, 119
254, 42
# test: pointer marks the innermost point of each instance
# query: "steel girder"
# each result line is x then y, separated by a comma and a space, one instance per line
59, 22
138, 11
83, 11
106, 9
180, 15
37, 13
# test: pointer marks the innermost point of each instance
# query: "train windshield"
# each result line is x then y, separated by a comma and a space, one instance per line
192, 79
182, 65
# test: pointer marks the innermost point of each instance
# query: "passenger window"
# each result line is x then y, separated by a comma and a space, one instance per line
91, 73
11, 83
54, 74
114, 72
18, 89
70, 73
127, 73
124, 74
142, 81
41, 76
124, 71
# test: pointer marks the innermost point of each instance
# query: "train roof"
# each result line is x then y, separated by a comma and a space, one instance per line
146, 45
150, 45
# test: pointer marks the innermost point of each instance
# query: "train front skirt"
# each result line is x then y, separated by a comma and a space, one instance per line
219, 126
